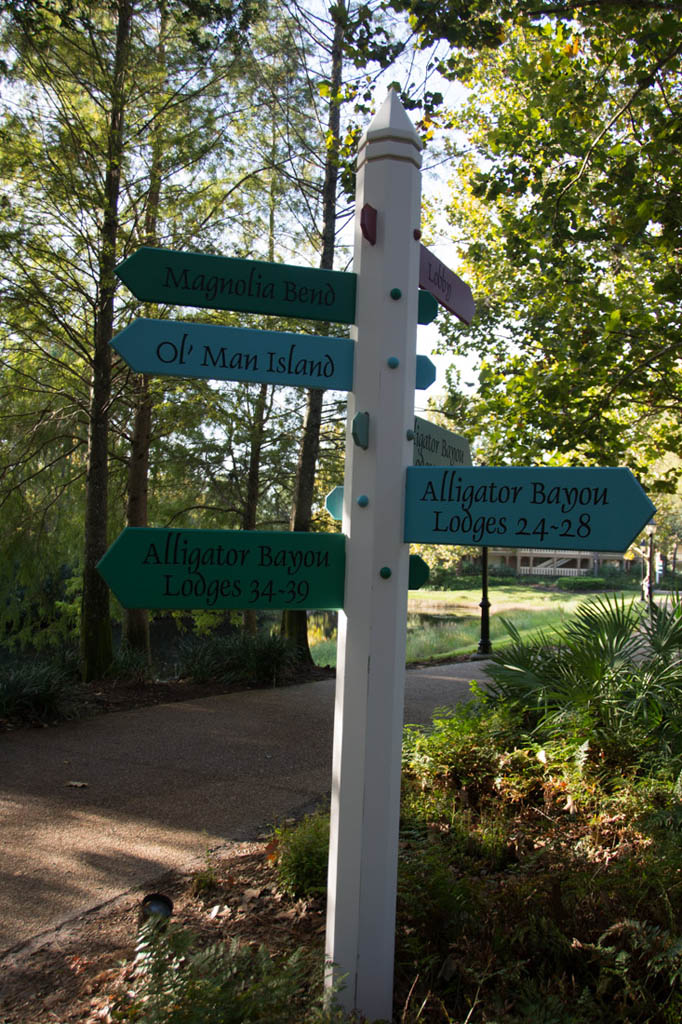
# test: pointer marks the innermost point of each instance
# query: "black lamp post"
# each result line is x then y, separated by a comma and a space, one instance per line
649, 582
485, 648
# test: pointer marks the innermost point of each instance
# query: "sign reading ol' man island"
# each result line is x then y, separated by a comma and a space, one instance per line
174, 348
155, 567
546, 507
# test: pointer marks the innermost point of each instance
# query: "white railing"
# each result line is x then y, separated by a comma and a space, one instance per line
552, 552
548, 570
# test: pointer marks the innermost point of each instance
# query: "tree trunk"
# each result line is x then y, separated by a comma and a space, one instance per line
250, 517
96, 644
295, 621
136, 620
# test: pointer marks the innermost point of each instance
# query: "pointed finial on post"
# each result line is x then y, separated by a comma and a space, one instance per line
390, 134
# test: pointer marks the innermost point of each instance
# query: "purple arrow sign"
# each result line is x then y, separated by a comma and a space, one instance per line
445, 286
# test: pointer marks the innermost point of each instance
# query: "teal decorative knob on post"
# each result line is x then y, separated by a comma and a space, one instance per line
360, 429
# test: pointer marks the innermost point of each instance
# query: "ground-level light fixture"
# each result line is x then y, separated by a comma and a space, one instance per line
156, 910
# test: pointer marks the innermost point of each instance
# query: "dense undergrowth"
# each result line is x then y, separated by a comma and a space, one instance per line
45, 687
540, 869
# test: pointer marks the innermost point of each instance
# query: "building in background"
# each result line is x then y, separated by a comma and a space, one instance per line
557, 562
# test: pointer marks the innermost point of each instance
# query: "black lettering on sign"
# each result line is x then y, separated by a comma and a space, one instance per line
292, 561
567, 497
211, 286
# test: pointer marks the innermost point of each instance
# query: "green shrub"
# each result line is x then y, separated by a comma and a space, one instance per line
461, 747
586, 583
241, 659
302, 856
130, 664
432, 908
39, 690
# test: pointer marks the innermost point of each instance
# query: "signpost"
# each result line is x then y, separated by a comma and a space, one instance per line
153, 567
368, 717
601, 509
365, 571
445, 286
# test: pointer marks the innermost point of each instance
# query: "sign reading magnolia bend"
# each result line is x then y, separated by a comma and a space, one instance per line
549, 507
154, 567
245, 286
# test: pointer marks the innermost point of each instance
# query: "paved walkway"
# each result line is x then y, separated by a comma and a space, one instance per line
91, 809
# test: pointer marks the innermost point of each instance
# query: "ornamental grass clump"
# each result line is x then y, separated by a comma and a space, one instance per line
38, 690
238, 660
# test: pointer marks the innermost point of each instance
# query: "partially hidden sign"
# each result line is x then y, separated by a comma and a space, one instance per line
437, 446
155, 567
446, 287
600, 509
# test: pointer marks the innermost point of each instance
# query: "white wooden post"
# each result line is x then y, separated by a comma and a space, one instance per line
371, 646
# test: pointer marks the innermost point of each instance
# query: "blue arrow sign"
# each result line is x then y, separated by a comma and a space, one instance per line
182, 349
549, 507
175, 348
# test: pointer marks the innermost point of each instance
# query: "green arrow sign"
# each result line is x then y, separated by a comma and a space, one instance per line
418, 573
151, 567
245, 286
548, 507
174, 348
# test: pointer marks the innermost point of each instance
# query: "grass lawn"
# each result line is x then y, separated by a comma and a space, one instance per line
447, 624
